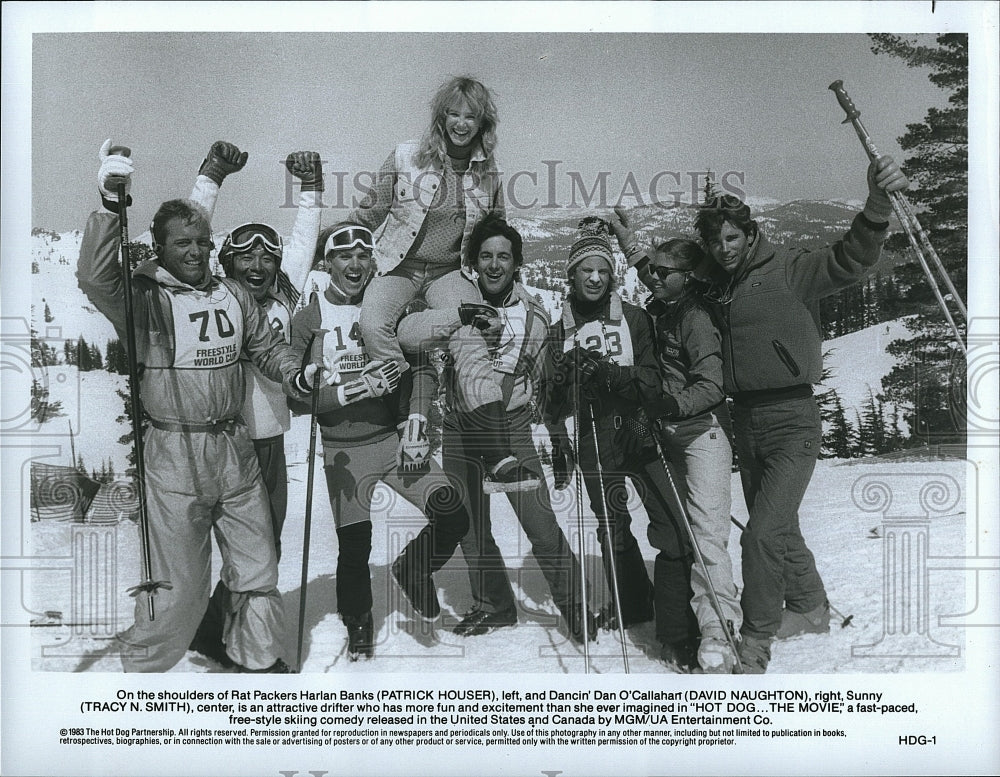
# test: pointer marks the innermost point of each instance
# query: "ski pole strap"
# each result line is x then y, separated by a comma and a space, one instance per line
215, 427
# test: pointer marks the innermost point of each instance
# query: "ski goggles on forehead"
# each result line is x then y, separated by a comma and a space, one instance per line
348, 237
244, 238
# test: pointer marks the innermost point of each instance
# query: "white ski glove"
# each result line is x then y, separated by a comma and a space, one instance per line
116, 166
414, 451
305, 378
377, 379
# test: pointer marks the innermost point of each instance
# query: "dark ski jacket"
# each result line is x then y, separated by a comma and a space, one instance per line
689, 352
636, 381
769, 311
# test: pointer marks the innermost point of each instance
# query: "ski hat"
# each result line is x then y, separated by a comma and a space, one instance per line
593, 238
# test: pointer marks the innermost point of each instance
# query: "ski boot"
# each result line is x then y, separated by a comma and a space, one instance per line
816, 621
360, 636
418, 587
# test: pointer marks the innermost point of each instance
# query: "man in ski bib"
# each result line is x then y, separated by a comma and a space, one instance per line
274, 272
361, 446
202, 476
604, 367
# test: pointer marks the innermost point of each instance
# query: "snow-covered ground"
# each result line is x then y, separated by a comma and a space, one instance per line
839, 532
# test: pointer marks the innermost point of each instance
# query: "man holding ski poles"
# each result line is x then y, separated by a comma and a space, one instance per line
604, 367
189, 330
274, 273
767, 308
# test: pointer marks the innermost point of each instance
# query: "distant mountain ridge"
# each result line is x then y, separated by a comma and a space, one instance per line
548, 235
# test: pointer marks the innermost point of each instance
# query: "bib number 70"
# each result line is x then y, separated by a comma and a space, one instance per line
223, 325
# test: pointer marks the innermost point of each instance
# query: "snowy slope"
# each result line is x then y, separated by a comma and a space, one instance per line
836, 529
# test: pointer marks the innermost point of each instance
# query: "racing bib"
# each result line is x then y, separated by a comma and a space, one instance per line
280, 320
505, 356
208, 329
611, 339
343, 348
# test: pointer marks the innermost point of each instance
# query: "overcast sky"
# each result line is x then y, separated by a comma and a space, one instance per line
673, 104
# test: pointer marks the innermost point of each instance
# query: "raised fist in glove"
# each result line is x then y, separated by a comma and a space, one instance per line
414, 451
884, 176
223, 159
622, 228
562, 459
308, 168
116, 167
376, 379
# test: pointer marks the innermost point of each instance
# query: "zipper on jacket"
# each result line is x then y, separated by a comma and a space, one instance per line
726, 311
786, 358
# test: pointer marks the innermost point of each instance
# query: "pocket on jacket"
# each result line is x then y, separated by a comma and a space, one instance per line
786, 358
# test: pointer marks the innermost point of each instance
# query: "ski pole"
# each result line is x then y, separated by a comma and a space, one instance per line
699, 558
608, 545
310, 473
915, 233
845, 620
578, 485
135, 405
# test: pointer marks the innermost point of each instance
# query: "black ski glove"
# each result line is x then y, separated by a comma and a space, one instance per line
635, 435
223, 159
562, 460
308, 168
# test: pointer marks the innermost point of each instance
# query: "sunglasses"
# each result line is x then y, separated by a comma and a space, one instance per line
244, 237
665, 272
348, 237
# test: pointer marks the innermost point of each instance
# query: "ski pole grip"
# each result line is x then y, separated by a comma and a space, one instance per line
315, 349
115, 182
837, 87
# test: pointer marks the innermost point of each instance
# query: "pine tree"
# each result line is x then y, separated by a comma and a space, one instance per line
937, 167
871, 427
138, 253
839, 440
126, 417
42, 409
48, 313
42, 354
84, 357
96, 362
894, 440
80, 466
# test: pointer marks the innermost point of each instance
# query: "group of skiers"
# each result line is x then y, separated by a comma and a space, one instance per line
360, 331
